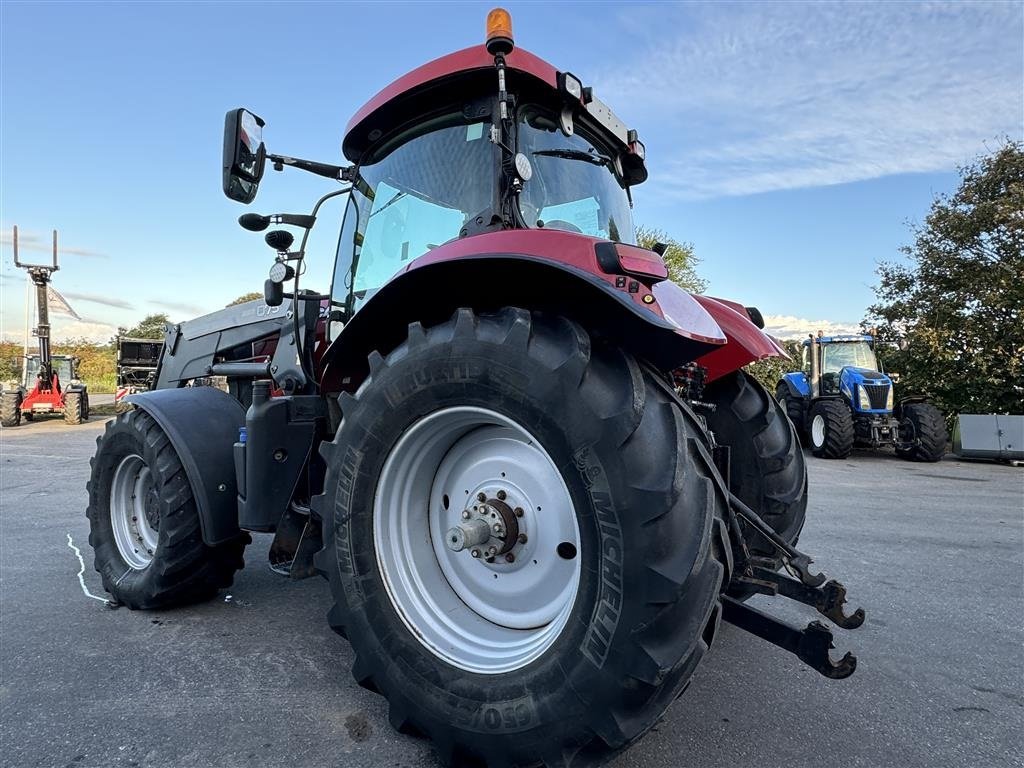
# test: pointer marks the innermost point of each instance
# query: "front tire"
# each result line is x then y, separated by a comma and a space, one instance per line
830, 430
10, 409
923, 430
74, 407
143, 521
594, 451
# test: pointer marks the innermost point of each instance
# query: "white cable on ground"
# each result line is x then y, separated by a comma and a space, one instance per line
81, 571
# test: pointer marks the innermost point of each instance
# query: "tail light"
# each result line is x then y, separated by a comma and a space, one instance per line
622, 259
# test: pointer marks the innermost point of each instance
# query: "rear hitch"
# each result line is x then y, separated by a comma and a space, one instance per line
811, 644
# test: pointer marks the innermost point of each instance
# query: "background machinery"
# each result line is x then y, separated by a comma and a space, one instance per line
841, 399
529, 466
137, 362
45, 392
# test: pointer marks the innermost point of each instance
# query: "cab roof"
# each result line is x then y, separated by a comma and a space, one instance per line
436, 84
834, 339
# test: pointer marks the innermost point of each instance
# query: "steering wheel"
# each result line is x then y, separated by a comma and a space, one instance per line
562, 225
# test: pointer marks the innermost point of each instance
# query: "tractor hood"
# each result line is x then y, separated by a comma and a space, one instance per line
869, 391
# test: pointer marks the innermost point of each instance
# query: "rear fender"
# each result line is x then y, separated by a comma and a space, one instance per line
202, 424
663, 324
746, 342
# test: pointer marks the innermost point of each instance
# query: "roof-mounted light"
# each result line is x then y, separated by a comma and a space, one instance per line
571, 86
499, 32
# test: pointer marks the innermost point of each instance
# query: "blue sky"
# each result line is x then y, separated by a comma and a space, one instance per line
789, 142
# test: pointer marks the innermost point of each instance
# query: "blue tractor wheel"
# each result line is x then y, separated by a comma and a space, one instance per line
831, 429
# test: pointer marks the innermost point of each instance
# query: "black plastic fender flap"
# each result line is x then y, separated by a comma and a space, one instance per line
202, 424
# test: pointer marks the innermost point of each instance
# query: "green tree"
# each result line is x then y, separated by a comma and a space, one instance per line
769, 372
251, 296
151, 327
679, 258
955, 314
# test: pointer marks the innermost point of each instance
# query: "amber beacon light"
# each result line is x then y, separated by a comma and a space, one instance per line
499, 32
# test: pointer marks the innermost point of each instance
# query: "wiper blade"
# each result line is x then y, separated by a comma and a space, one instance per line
575, 154
397, 196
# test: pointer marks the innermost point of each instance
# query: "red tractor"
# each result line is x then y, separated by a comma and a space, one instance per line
527, 463
42, 392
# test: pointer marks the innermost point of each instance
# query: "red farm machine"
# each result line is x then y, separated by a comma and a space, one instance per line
529, 465
50, 384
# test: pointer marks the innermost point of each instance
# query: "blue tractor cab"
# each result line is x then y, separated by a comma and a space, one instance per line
841, 398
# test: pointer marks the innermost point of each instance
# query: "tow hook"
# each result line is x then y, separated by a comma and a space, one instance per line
812, 644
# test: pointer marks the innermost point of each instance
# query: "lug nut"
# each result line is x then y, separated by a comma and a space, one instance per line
519, 511
502, 495
522, 538
497, 529
492, 551
510, 558
465, 514
475, 553
481, 497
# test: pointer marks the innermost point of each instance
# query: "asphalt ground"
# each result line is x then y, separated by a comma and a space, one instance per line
935, 553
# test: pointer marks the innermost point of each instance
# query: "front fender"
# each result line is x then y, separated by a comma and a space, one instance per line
746, 342
202, 424
797, 384
544, 271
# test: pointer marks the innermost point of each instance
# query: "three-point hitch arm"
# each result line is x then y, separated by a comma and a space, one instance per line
40, 275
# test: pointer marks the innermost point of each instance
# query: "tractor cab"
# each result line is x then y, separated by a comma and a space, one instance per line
65, 368
847, 366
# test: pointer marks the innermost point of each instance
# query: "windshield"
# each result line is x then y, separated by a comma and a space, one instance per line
838, 355
416, 197
61, 366
573, 187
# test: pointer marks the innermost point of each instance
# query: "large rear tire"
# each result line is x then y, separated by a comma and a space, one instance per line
143, 521
831, 429
593, 450
767, 468
794, 408
10, 409
924, 429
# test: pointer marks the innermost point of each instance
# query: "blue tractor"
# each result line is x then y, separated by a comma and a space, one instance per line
842, 399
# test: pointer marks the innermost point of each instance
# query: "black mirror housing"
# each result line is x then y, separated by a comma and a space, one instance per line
244, 155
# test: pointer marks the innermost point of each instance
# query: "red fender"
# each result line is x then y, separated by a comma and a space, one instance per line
746, 342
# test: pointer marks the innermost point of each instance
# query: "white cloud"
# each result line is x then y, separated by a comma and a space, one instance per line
791, 327
31, 241
63, 329
761, 97
185, 307
95, 298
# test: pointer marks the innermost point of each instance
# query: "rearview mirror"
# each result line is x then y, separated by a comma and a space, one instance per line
244, 154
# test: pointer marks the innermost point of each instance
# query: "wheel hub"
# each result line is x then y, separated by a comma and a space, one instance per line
490, 528
477, 539
135, 512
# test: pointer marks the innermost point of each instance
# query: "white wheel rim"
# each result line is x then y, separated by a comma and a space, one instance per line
134, 512
482, 616
818, 431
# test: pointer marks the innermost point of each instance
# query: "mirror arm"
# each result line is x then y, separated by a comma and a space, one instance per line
337, 172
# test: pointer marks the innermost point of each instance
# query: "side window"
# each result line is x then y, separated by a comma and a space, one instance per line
805, 358
400, 227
